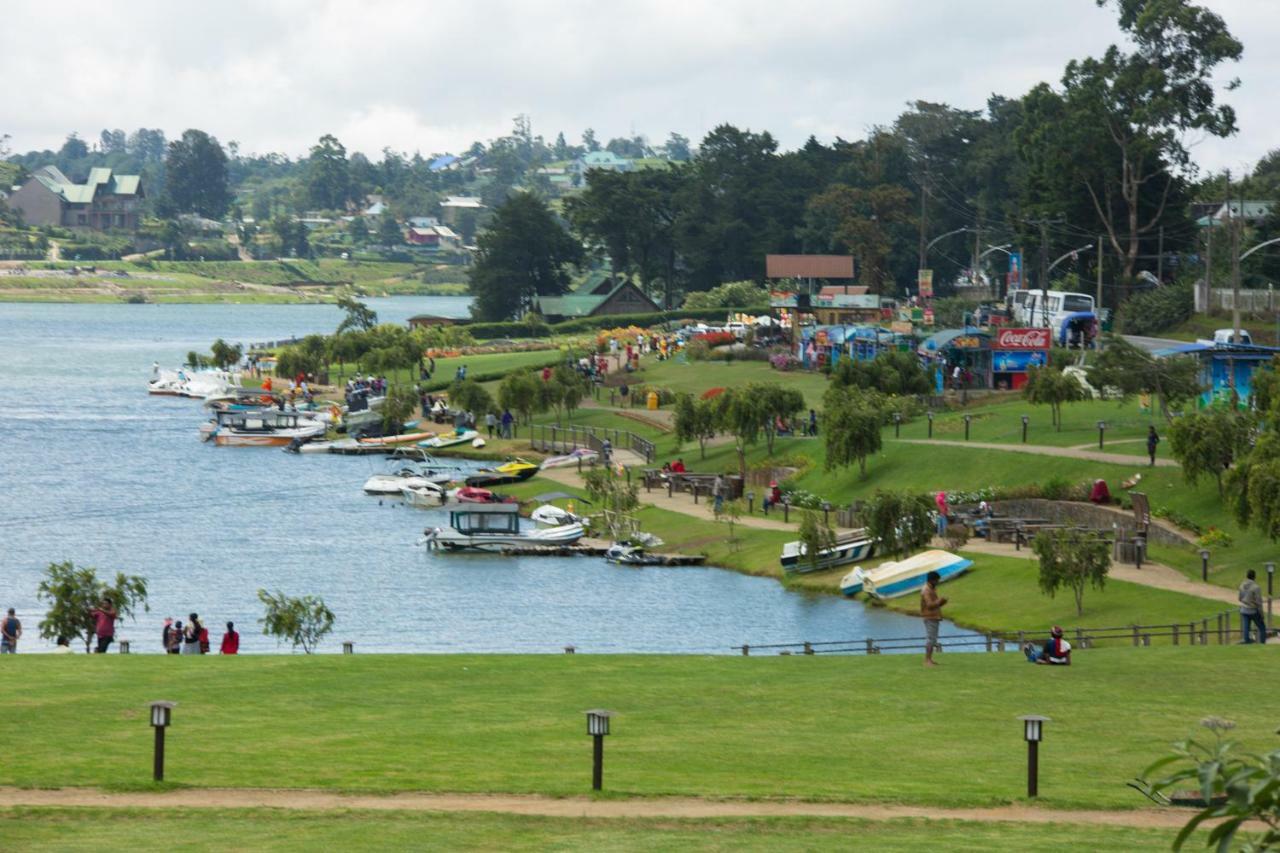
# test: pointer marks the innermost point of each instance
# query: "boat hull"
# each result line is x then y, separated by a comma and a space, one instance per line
446, 537
795, 561
895, 579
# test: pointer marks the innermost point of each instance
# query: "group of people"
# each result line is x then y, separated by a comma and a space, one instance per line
193, 638
176, 638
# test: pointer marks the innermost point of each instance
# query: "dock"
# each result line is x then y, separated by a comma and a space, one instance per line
597, 548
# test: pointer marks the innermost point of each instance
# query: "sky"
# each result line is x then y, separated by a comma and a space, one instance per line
274, 75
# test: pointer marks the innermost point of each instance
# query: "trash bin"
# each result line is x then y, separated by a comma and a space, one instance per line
652, 400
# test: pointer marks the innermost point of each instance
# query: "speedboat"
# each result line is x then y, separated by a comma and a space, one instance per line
477, 495
848, 548
550, 515
484, 527
897, 578
448, 439
515, 471
583, 454
408, 477
260, 428
393, 440
425, 496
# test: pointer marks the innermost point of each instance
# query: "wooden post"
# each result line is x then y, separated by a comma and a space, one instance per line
808, 648
1191, 633
1135, 635
1175, 635
870, 646
1146, 639
746, 651
987, 637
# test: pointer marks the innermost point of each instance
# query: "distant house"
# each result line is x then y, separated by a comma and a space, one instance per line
454, 205
426, 321
422, 221
433, 236
594, 300
103, 202
599, 160
1216, 213
377, 208
446, 161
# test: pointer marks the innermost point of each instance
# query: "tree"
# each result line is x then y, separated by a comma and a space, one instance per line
858, 221
196, 176
738, 415
589, 140
1206, 443
568, 389
899, 521
357, 315
616, 498
522, 256
521, 393
851, 427
302, 621
389, 233
73, 148
1072, 559
73, 592
695, 420
776, 404
815, 536
359, 231
1049, 386
469, 395
292, 235
224, 354
328, 180
677, 148
1131, 370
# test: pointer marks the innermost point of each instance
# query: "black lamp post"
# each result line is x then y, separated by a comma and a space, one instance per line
1204, 564
1102, 428
751, 502
897, 423
1025, 419
786, 508
930, 414
1032, 732
598, 727
967, 419
1271, 576
161, 713
826, 513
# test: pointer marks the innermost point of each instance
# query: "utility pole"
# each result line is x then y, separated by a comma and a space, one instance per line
1044, 255
1098, 301
1236, 222
924, 214
1160, 259
1208, 267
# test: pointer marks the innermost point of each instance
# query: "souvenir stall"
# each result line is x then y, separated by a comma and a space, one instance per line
1014, 352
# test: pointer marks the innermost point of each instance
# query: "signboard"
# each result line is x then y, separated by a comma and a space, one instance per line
966, 342
848, 300
928, 316
821, 337
925, 282
1018, 361
1022, 339
900, 327
1015, 271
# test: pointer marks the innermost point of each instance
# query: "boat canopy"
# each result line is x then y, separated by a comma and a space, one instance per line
486, 518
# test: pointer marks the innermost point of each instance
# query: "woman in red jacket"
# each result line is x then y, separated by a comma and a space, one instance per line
230, 640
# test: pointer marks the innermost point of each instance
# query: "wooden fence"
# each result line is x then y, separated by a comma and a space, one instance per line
562, 439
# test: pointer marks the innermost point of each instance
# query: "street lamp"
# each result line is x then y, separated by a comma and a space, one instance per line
1204, 564
930, 424
826, 513
967, 419
751, 502
598, 727
897, 423
1025, 420
161, 713
1102, 428
1032, 732
1271, 576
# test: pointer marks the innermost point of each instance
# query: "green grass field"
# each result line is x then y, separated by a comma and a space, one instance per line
272, 829
871, 729
697, 376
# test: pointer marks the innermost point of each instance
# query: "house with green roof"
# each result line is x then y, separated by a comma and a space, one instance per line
599, 294
105, 201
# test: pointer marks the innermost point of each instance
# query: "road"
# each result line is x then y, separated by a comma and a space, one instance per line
1152, 344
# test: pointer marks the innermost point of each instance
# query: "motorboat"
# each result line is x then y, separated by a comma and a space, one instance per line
848, 548
260, 428
897, 578
201, 384
448, 439
166, 383
579, 454
484, 527
515, 471
550, 515
406, 475
425, 496
477, 495
394, 440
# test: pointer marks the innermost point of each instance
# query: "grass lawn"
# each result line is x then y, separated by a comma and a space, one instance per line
697, 376
478, 367
878, 728
270, 829
1001, 422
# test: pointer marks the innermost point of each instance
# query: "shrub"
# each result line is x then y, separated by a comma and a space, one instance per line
783, 361
1157, 310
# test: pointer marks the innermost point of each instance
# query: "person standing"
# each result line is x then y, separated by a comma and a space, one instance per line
1152, 441
813, 422
717, 492
104, 624
490, 421
931, 605
10, 631
191, 635
168, 640
1250, 596
940, 499
606, 450
230, 641
507, 421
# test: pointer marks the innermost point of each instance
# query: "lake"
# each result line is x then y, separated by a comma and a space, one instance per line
96, 471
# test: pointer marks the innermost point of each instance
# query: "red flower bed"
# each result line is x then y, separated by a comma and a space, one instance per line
716, 339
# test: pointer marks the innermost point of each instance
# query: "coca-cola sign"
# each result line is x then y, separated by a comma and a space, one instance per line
1022, 339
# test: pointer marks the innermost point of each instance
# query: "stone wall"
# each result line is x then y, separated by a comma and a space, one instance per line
1090, 515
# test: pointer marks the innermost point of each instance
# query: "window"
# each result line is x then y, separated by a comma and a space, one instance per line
81, 219
1079, 302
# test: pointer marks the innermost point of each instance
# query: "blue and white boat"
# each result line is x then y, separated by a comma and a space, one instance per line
897, 578
848, 548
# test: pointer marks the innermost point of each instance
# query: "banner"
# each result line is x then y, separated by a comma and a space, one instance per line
1018, 361
928, 316
1022, 339
1015, 271
925, 282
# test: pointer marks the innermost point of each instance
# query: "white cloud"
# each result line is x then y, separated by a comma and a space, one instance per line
276, 74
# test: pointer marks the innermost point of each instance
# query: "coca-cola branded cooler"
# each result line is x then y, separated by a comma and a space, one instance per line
1015, 351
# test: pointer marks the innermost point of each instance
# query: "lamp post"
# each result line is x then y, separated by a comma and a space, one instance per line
786, 508
930, 424
598, 727
826, 513
1271, 576
1025, 420
1204, 564
1102, 428
161, 713
751, 502
967, 419
897, 423
1032, 732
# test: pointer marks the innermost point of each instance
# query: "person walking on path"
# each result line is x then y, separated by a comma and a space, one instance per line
940, 499
191, 635
1152, 441
717, 492
104, 624
507, 421
1250, 596
606, 450
490, 421
230, 641
931, 605
10, 631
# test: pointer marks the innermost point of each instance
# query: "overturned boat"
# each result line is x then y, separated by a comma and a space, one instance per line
897, 578
848, 548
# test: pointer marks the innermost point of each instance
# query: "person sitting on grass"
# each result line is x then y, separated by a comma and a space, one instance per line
1056, 652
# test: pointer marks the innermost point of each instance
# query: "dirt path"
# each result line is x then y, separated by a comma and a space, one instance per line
648, 807
1151, 574
1045, 450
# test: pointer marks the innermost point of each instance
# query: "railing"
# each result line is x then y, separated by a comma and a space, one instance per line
562, 439
1223, 627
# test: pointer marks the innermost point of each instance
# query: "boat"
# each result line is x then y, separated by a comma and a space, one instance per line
260, 428
515, 471
477, 442
477, 495
483, 527
393, 440
425, 496
848, 548
448, 439
550, 515
583, 454
892, 579
202, 384
407, 477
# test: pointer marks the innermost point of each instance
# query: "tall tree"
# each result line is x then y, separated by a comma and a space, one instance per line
328, 177
196, 175
523, 255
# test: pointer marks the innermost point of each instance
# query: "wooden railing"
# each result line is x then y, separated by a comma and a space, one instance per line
555, 438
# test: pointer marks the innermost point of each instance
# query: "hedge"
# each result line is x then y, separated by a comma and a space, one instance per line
483, 331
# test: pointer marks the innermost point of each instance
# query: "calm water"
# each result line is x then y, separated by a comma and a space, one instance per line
94, 470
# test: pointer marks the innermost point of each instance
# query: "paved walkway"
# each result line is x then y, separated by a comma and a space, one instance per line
572, 807
1046, 450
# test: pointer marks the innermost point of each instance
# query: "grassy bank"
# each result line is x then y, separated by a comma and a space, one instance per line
835, 728
270, 829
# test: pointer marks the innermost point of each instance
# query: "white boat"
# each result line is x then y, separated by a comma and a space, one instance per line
449, 439
550, 515
260, 428
192, 383
395, 482
897, 578
848, 548
496, 526
425, 496
571, 458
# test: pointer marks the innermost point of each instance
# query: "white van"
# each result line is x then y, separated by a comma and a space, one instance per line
1038, 308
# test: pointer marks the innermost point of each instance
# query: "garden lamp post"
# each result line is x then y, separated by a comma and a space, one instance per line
826, 513
1032, 732
161, 713
786, 508
1102, 428
1025, 420
751, 502
1271, 576
1204, 564
967, 419
897, 423
930, 424
598, 727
